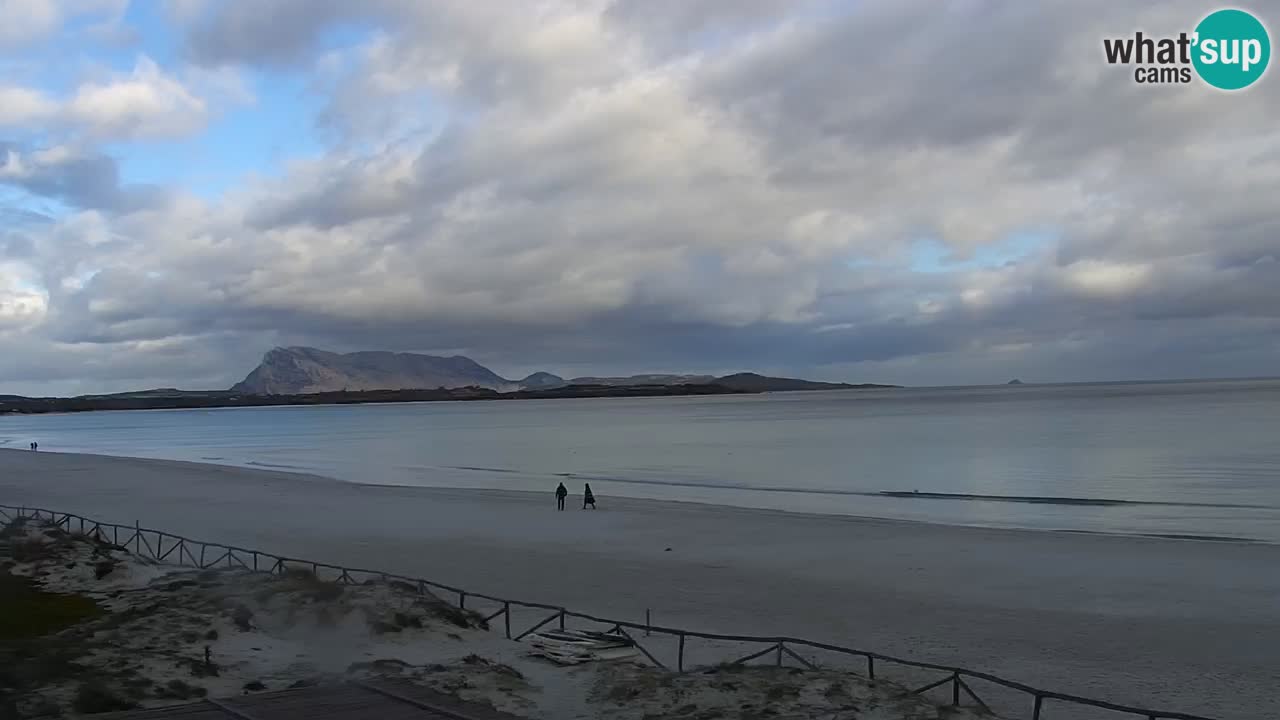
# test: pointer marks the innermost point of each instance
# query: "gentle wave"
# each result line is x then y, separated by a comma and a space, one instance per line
256, 463
897, 494
1048, 500
1172, 536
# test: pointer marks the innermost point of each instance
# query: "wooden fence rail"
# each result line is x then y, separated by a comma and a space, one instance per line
779, 647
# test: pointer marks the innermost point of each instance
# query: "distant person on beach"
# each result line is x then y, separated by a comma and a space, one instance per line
561, 493
588, 498
35, 446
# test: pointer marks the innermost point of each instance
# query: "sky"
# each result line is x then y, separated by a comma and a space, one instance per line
902, 191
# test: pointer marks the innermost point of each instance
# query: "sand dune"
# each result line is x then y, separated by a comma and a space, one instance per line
154, 635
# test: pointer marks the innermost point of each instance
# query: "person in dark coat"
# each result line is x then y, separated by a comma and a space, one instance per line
561, 493
588, 498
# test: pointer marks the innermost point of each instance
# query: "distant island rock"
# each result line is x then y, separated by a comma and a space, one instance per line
306, 370
303, 370
1015, 381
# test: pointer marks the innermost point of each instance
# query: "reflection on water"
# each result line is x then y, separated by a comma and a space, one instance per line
1156, 458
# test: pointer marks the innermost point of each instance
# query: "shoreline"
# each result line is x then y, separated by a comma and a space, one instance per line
1140, 621
197, 400
201, 400
835, 452
426, 491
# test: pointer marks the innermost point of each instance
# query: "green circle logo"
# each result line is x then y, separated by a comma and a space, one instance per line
1232, 49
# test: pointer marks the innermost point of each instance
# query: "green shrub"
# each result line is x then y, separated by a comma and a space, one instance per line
95, 697
27, 611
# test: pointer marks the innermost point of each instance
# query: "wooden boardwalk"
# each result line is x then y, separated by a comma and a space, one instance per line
346, 701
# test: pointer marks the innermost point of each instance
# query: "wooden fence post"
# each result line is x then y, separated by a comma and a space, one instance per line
680, 656
506, 617
1035, 712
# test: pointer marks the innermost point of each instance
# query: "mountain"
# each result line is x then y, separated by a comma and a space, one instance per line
542, 381
304, 370
655, 379
751, 382
298, 370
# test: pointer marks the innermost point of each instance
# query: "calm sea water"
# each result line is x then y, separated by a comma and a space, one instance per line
1196, 458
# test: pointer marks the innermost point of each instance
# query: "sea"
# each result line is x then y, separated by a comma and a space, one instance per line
1197, 459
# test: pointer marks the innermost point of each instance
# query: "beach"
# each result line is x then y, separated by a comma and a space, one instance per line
1186, 625
92, 626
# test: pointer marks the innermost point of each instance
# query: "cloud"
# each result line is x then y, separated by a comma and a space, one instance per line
146, 103
24, 21
78, 177
271, 33
20, 106
620, 186
20, 305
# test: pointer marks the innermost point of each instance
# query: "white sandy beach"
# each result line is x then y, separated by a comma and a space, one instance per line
160, 635
1182, 625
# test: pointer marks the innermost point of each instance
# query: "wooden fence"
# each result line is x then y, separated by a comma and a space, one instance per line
167, 547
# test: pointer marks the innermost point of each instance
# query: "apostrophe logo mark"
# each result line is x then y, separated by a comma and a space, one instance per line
1232, 49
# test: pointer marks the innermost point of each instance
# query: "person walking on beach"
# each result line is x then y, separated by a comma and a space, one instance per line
561, 493
588, 498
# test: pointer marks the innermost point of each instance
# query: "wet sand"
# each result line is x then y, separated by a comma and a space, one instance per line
1174, 624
